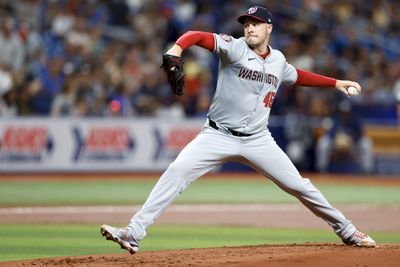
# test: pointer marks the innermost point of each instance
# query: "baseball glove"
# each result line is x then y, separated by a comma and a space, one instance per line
173, 67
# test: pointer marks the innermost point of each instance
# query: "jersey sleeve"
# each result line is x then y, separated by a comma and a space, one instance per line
229, 49
289, 73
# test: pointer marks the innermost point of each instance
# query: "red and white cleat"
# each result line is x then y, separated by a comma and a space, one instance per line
360, 240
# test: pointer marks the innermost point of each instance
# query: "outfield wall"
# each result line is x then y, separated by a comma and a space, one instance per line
133, 144
97, 144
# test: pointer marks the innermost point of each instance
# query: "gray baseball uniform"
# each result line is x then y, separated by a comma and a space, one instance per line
237, 130
245, 82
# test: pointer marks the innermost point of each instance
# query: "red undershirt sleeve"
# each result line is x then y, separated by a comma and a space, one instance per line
202, 39
306, 78
206, 40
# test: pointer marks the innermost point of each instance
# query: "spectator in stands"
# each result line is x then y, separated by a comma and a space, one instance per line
50, 79
8, 107
298, 132
11, 47
396, 91
63, 103
345, 147
119, 102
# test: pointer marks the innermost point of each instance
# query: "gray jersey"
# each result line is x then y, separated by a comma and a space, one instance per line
246, 85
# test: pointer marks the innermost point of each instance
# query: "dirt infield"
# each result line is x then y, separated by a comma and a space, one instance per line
366, 217
312, 254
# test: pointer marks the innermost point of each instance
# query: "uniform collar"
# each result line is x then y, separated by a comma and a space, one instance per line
269, 55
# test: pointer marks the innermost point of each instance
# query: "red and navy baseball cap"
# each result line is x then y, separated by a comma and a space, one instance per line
256, 12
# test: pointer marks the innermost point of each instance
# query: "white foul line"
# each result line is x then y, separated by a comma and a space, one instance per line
175, 208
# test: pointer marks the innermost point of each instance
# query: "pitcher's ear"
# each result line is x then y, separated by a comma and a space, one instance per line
269, 28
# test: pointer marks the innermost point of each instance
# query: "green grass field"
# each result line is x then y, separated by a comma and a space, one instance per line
113, 192
20, 241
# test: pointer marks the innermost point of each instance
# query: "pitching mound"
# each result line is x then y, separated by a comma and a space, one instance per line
309, 254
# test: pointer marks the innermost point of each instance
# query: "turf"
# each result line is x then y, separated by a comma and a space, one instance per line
43, 241
112, 192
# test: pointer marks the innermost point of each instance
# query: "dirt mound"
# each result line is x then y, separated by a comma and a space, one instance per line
308, 254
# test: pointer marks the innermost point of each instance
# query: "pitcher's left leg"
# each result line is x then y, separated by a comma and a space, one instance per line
266, 155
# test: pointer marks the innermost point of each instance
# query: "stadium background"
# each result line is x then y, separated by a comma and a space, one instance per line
82, 96
100, 59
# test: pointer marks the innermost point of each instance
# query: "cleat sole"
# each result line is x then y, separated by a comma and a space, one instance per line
123, 244
366, 244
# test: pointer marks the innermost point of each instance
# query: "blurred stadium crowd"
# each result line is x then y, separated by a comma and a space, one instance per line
101, 58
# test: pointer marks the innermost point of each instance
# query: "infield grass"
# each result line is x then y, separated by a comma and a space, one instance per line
57, 240
114, 192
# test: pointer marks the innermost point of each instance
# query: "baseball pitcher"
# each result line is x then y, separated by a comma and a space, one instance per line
250, 73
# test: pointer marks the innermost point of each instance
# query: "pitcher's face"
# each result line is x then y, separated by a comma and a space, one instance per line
256, 33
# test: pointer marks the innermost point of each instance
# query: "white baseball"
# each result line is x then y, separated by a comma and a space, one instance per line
352, 90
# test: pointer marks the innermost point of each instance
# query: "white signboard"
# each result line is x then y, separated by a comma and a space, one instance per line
103, 144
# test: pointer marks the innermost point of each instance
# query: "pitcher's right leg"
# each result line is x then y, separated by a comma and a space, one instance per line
201, 155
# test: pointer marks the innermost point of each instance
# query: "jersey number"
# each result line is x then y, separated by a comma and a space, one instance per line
269, 98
